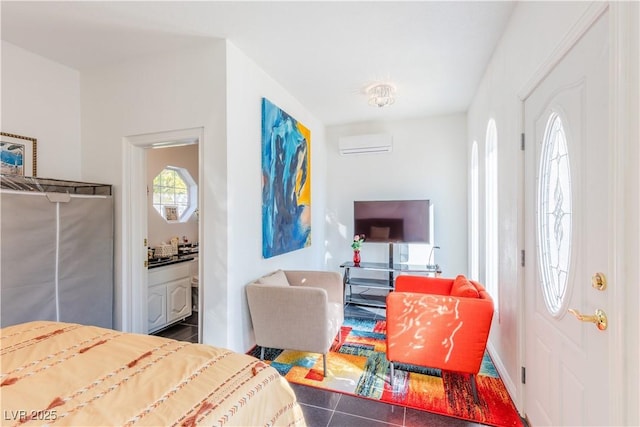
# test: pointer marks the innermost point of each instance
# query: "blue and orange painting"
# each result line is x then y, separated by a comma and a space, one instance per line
286, 182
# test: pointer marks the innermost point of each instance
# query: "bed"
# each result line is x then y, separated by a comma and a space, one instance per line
56, 373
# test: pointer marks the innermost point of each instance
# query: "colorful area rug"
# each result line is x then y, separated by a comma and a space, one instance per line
357, 365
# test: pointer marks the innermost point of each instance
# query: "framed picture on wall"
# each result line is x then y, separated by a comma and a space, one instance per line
18, 155
171, 213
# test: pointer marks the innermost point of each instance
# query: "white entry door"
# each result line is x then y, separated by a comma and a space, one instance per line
567, 198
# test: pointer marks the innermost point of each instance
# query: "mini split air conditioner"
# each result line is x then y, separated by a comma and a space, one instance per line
362, 144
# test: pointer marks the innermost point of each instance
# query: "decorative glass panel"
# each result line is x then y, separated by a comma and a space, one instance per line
554, 215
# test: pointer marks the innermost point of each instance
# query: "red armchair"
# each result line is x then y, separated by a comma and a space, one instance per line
438, 323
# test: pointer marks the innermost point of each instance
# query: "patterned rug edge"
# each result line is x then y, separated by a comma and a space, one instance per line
503, 416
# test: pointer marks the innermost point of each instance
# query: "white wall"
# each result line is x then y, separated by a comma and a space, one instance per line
247, 84
535, 28
534, 31
216, 87
179, 90
159, 230
427, 162
41, 99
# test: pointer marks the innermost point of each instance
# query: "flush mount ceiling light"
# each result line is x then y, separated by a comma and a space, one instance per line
381, 94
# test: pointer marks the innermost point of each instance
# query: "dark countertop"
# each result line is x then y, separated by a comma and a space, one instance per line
154, 263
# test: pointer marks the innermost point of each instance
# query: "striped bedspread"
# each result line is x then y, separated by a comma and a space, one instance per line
73, 375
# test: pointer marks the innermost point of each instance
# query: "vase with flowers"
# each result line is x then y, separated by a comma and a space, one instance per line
358, 239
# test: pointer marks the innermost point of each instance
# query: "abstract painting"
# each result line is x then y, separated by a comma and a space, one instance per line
286, 182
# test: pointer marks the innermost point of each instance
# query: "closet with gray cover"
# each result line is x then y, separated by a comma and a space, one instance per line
57, 251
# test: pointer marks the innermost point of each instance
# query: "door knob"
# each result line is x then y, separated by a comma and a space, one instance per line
599, 318
599, 281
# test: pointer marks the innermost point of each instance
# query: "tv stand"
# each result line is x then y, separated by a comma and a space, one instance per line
391, 262
373, 292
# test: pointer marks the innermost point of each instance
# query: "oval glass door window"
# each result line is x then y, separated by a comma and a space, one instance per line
554, 219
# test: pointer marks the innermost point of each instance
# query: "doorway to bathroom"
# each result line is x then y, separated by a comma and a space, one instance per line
173, 240
161, 201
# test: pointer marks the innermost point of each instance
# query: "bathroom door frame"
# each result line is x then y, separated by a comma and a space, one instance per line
134, 222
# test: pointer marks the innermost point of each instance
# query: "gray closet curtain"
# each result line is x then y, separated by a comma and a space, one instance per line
56, 259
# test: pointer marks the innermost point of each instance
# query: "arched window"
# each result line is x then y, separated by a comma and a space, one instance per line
491, 211
474, 216
175, 194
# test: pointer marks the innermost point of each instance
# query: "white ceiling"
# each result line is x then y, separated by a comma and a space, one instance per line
324, 52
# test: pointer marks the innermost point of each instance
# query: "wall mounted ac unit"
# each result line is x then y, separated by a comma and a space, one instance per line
362, 144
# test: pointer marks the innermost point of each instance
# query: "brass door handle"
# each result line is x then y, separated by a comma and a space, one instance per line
599, 318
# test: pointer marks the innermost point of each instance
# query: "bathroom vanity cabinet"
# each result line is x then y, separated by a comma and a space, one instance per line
169, 294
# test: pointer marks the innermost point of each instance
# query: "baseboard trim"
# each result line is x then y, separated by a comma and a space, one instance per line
510, 385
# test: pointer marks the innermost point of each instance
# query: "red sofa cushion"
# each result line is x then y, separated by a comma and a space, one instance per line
462, 287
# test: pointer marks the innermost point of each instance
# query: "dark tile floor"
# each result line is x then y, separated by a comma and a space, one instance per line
328, 409
186, 330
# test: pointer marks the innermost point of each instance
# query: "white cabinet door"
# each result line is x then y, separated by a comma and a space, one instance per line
157, 307
169, 296
178, 299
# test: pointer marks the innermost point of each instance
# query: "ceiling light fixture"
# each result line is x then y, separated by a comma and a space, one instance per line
381, 94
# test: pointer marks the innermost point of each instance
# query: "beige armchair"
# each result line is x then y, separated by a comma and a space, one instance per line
297, 310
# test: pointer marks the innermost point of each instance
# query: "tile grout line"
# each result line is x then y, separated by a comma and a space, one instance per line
333, 411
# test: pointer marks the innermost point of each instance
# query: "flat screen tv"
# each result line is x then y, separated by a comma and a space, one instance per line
395, 221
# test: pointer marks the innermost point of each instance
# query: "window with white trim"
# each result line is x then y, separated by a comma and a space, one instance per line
175, 194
